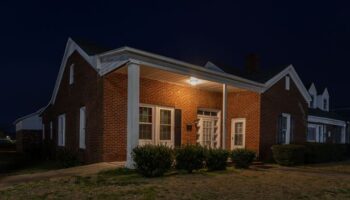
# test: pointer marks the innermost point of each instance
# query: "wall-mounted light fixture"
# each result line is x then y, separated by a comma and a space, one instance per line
193, 81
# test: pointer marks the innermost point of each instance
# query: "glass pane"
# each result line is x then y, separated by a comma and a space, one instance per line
165, 117
239, 139
165, 132
311, 135
145, 131
239, 128
284, 122
145, 115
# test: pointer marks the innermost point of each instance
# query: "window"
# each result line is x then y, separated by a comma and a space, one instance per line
146, 123
238, 133
165, 124
156, 125
61, 130
82, 126
43, 132
287, 83
71, 74
51, 131
312, 103
325, 104
311, 134
284, 129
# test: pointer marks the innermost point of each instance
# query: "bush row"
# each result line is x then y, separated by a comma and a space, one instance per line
290, 155
155, 160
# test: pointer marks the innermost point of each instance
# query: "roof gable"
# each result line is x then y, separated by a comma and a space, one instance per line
294, 76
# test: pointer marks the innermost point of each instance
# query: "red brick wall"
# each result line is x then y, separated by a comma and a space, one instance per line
274, 102
246, 105
28, 139
151, 92
85, 91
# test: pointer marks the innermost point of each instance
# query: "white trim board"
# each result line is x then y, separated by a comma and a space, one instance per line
321, 120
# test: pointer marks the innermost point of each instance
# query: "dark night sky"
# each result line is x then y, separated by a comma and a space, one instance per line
313, 36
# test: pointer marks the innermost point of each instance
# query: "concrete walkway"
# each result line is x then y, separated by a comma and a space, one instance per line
84, 170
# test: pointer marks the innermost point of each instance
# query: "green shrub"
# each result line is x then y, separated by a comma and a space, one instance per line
152, 160
242, 158
190, 157
319, 152
67, 158
289, 155
216, 159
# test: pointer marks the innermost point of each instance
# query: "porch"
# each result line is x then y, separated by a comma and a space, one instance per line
174, 108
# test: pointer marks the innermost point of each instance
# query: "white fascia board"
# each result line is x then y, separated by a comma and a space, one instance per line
30, 115
295, 77
322, 120
71, 46
169, 64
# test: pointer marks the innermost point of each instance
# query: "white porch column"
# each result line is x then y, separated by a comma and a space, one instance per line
132, 111
224, 114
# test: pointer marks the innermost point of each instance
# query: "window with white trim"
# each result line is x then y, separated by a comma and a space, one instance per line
287, 83
146, 123
61, 130
238, 133
284, 129
165, 124
325, 104
156, 125
71, 74
82, 127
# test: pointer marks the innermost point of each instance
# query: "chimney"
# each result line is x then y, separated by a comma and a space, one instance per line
252, 63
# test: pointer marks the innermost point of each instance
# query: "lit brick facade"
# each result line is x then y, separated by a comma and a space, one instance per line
105, 99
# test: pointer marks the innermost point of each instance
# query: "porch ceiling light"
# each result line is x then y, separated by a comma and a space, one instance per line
193, 81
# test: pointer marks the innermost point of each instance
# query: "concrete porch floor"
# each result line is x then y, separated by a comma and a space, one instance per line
84, 170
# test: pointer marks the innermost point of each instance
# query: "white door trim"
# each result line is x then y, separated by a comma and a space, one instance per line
233, 125
288, 131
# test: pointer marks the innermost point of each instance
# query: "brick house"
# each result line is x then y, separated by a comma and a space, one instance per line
106, 102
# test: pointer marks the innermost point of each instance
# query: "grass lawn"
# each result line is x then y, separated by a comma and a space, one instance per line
310, 182
12, 163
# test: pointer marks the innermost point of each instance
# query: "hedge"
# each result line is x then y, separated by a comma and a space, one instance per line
242, 158
152, 160
320, 152
289, 155
216, 159
190, 158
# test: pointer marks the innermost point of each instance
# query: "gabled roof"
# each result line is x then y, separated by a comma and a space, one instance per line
105, 61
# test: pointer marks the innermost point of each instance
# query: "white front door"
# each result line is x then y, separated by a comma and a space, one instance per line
208, 132
238, 130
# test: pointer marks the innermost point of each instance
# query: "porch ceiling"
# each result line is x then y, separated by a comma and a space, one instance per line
180, 79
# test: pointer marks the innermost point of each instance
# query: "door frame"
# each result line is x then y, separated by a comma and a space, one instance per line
233, 124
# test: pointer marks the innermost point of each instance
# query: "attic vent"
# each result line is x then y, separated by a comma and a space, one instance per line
213, 67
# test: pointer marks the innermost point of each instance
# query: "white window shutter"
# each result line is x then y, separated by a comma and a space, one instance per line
82, 126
